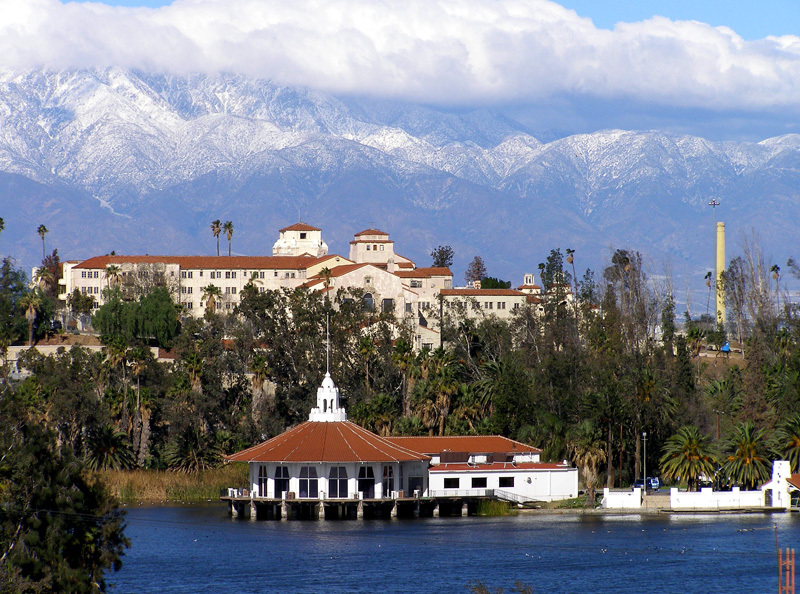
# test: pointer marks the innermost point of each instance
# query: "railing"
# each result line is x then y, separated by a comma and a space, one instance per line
491, 493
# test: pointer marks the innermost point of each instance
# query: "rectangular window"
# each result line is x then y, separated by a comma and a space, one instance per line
409, 308
506, 482
381, 248
308, 483
337, 482
233, 290
261, 274
367, 247
96, 274
83, 274
281, 481
96, 290
501, 305
516, 305
233, 274
302, 235
189, 290
183, 274
201, 274
416, 284
479, 482
451, 483
188, 305
227, 274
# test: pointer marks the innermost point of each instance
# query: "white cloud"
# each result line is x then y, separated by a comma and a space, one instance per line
436, 51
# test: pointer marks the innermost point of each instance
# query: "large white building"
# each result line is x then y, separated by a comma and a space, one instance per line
330, 461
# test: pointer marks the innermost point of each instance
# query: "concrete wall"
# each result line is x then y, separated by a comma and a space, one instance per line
622, 499
538, 485
710, 499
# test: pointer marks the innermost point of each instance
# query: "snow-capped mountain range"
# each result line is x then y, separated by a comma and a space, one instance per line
141, 163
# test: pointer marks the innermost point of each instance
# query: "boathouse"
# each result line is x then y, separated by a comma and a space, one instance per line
331, 467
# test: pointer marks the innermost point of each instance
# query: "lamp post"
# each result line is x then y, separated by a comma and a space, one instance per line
644, 464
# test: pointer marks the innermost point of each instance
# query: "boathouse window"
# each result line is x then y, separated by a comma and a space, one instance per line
281, 481
337, 482
262, 481
308, 482
506, 481
366, 482
451, 483
388, 480
478, 482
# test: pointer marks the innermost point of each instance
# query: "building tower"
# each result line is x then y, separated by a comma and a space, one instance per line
720, 287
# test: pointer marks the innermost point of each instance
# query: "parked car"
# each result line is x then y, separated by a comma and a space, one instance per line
653, 483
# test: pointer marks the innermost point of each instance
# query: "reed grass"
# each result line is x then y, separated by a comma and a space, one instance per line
490, 507
151, 486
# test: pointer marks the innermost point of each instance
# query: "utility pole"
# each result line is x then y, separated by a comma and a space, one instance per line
644, 464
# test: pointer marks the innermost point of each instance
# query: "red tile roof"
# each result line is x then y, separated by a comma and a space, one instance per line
207, 262
299, 227
424, 272
370, 232
327, 442
475, 444
482, 293
498, 467
794, 480
519, 288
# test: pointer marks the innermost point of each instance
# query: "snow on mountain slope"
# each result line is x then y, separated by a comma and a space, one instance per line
171, 151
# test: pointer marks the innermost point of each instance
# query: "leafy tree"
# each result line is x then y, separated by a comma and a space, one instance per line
789, 441
587, 449
109, 448
13, 287
442, 256
687, 456
31, 303
158, 317
475, 271
80, 303
58, 531
490, 282
750, 454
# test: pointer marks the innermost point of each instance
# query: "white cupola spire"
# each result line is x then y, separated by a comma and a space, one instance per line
327, 409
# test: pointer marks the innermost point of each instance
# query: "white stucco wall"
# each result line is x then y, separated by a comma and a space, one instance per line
538, 485
710, 499
622, 499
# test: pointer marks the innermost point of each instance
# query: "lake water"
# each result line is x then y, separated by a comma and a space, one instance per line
200, 549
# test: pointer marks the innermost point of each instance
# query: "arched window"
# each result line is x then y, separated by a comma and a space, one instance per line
369, 302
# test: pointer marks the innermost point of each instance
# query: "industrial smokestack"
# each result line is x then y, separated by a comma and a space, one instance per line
720, 288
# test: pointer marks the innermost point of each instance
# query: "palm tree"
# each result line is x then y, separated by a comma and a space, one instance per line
113, 273
228, 229
109, 448
694, 338
31, 302
789, 441
587, 449
749, 462
210, 295
42, 231
687, 456
215, 231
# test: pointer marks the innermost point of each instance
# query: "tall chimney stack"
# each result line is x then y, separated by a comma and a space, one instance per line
720, 289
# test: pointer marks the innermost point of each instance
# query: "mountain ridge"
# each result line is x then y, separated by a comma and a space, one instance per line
162, 155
